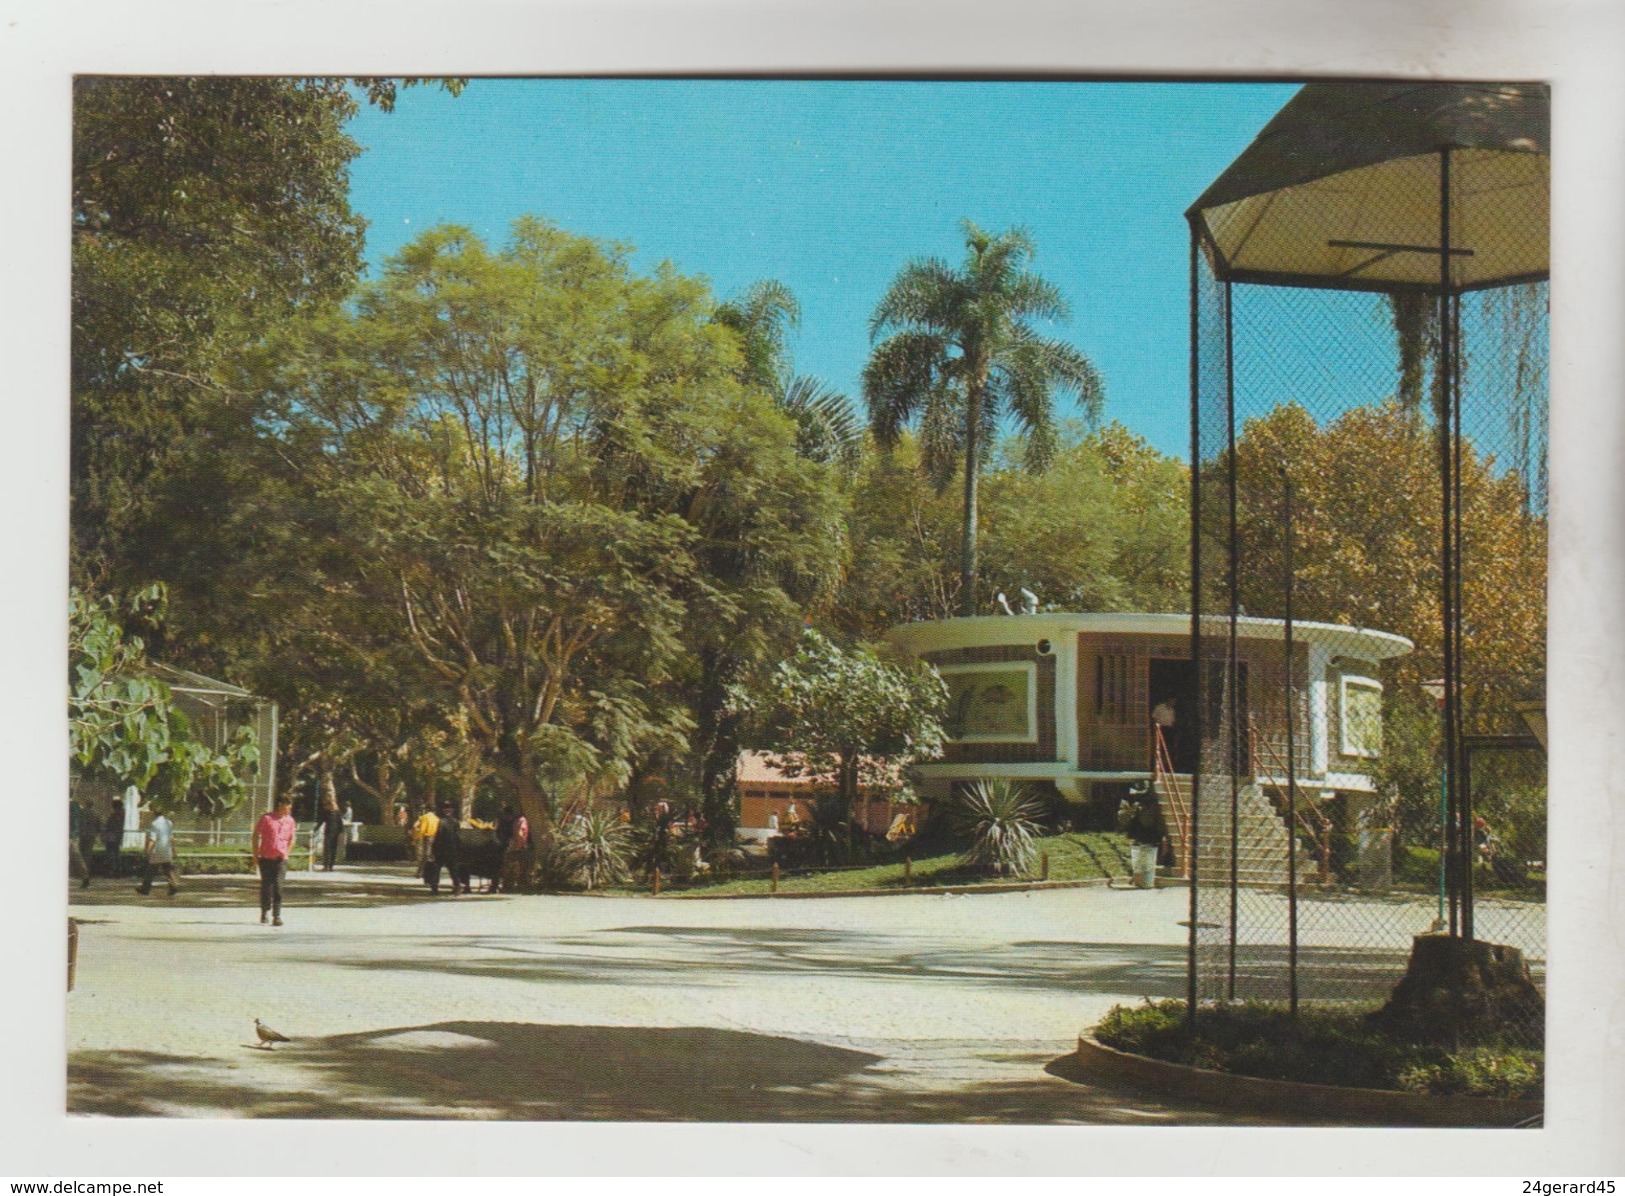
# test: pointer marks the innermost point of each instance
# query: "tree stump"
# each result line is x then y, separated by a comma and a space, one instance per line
1457, 991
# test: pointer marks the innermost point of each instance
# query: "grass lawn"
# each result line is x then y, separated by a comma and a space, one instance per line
1078, 856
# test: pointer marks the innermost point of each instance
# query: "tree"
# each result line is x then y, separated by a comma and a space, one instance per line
538, 496
205, 210
1367, 512
960, 355
123, 725
827, 429
851, 717
1105, 527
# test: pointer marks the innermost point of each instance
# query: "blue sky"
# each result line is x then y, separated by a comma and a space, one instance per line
831, 186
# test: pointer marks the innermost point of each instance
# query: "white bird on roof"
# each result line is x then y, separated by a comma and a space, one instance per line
1003, 603
267, 1036
1029, 602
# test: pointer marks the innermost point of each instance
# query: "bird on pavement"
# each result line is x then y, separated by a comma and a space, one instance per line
267, 1036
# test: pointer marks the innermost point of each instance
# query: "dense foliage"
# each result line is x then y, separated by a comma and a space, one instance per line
1318, 1047
205, 209
851, 719
1366, 501
516, 520
124, 727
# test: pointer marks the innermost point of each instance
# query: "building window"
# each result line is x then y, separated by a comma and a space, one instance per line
1111, 688
1362, 716
992, 703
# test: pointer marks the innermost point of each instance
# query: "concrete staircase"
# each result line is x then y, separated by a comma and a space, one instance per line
1261, 836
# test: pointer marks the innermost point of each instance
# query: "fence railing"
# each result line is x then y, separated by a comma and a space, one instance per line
305, 842
1165, 778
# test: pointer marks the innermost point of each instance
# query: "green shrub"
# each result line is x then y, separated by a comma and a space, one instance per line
1417, 865
1317, 1047
1000, 817
593, 848
1507, 1072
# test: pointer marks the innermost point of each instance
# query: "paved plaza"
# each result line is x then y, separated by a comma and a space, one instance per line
927, 1008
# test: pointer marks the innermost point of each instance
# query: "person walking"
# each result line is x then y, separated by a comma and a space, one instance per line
81, 839
448, 853
330, 822
113, 836
423, 832
273, 840
158, 852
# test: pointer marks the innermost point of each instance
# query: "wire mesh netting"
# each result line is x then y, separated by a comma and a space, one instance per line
1369, 577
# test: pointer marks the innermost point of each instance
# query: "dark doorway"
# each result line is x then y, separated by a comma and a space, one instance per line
1213, 721
1174, 682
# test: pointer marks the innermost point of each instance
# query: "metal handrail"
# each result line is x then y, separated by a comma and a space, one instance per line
1164, 773
1319, 835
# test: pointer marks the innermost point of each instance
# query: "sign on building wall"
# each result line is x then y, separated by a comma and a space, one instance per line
992, 702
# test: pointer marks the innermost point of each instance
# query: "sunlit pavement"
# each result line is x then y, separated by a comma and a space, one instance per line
896, 1009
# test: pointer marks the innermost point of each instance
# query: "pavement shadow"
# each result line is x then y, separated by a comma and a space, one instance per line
708, 957
222, 892
470, 1069
712, 957
520, 1071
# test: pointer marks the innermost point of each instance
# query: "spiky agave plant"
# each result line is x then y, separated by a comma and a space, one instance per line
595, 847
1000, 818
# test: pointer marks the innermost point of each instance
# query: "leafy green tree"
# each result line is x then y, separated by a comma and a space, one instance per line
538, 476
957, 352
850, 717
1103, 528
123, 724
204, 209
761, 569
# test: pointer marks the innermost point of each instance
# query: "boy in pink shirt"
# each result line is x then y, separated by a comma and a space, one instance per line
273, 840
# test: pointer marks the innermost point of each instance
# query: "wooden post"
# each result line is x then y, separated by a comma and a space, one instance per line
773, 884
1043, 865
908, 872
655, 882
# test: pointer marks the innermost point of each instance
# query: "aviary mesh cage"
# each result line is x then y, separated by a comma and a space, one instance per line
1369, 398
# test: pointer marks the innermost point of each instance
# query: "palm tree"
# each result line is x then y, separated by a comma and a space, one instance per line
827, 429
960, 355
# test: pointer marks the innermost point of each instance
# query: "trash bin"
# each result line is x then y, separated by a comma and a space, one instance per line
1143, 865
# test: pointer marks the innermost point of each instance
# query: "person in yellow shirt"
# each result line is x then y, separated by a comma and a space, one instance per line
423, 832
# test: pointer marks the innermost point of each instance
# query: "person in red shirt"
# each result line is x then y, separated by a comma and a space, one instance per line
273, 840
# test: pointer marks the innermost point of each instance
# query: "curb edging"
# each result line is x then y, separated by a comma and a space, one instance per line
1291, 1098
911, 891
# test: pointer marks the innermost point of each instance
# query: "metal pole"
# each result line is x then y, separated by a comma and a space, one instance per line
1472, 857
1291, 783
1447, 559
1191, 850
1465, 782
270, 757
1228, 698
1444, 830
